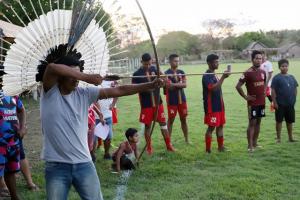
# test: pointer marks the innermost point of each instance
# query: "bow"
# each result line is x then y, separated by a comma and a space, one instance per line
158, 72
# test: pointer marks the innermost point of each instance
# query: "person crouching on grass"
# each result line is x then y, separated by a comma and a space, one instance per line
284, 92
127, 153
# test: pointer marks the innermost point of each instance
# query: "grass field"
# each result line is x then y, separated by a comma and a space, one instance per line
272, 172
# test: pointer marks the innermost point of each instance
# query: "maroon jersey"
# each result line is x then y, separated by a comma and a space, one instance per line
255, 79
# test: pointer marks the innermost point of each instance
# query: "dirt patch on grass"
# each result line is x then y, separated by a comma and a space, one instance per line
33, 139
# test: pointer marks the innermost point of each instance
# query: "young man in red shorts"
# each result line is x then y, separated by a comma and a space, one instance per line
255, 79
175, 96
213, 103
148, 102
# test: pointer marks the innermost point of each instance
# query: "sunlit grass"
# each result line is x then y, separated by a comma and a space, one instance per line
272, 172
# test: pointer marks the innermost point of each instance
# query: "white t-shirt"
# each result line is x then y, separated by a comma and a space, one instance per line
65, 124
105, 103
267, 67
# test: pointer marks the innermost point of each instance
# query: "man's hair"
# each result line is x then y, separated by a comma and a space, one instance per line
59, 55
130, 132
70, 61
211, 57
254, 53
282, 61
2, 72
146, 57
172, 56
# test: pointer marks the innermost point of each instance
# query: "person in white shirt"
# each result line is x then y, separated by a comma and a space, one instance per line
105, 107
268, 68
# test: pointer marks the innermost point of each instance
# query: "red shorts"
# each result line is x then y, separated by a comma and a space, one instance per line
215, 119
147, 115
181, 109
114, 116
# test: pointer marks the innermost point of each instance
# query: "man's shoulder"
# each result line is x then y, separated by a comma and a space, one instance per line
276, 76
180, 71
168, 71
250, 69
137, 72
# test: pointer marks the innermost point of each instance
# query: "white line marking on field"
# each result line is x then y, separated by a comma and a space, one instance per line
122, 185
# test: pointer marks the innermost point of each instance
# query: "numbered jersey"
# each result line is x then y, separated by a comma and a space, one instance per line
175, 96
212, 99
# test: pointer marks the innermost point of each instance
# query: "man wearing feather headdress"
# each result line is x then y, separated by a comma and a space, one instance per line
64, 118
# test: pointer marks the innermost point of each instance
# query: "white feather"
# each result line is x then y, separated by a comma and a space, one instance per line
33, 42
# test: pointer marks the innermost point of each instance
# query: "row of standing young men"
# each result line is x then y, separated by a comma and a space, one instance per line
258, 83
59, 96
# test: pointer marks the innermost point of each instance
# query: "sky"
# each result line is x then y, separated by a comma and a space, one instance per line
189, 15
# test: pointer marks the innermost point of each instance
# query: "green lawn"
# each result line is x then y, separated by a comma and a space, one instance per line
272, 172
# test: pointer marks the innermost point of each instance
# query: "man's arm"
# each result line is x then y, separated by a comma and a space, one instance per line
240, 90
97, 109
22, 122
269, 77
53, 71
136, 153
273, 95
178, 85
126, 90
113, 104
118, 157
218, 85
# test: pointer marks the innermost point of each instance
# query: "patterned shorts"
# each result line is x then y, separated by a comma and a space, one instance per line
9, 159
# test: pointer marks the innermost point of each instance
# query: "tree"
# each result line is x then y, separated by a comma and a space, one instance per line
245, 39
229, 43
216, 30
17, 15
179, 42
219, 27
130, 29
136, 50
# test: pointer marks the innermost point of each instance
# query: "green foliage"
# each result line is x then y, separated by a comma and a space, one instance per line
229, 43
179, 42
13, 11
136, 50
245, 39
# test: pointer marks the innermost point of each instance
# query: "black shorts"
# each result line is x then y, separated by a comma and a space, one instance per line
255, 112
285, 112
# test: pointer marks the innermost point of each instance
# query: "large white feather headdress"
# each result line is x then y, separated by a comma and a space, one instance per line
79, 30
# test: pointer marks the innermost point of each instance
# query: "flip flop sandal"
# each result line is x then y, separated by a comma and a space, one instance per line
33, 188
4, 193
